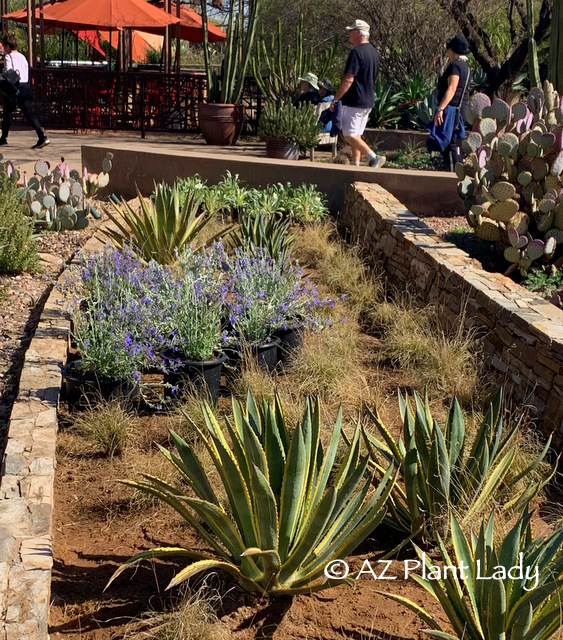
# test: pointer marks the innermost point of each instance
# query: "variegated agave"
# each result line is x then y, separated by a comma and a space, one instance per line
445, 471
507, 591
290, 511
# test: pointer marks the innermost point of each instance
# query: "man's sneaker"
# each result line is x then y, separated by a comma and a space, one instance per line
42, 142
3, 142
377, 162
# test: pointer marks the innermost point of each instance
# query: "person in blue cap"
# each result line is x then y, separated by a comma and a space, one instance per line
447, 129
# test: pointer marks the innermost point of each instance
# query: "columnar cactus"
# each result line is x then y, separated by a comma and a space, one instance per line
60, 199
511, 179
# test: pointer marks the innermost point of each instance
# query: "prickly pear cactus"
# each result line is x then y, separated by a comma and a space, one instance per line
511, 179
60, 199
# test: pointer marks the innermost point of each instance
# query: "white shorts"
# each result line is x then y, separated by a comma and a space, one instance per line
354, 120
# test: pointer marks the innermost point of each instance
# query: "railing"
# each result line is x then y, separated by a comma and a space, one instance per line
142, 101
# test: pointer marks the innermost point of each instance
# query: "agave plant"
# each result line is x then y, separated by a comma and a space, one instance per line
443, 472
289, 510
162, 226
268, 231
506, 591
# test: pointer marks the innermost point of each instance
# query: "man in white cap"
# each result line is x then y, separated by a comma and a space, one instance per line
357, 90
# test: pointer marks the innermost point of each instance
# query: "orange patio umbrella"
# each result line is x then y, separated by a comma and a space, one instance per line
102, 14
141, 42
191, 24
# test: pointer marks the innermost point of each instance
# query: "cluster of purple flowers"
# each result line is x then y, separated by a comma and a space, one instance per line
132, 313
267, 294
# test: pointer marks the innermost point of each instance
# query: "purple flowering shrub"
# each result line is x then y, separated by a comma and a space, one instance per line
266, 294
193, 304
134, 315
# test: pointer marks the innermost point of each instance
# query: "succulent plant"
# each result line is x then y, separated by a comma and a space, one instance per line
511, 179
60, 199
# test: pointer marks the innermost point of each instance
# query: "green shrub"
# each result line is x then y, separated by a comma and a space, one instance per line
18, 251
298, 124
289, 510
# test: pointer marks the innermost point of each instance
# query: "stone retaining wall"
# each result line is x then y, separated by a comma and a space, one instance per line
521, 333
26, 489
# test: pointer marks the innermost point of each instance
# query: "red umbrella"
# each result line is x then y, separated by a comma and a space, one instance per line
191, 24
104, 14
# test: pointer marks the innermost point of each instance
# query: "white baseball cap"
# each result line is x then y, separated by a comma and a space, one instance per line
361, 25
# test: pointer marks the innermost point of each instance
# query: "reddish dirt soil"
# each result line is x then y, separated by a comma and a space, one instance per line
96, 529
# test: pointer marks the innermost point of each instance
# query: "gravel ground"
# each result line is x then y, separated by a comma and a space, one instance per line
22, 299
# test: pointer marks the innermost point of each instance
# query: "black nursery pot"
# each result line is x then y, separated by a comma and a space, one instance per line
266, 354
291, 341
85, 389
204, 376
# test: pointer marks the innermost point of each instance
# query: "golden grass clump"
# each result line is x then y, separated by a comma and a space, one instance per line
193, 618
314, 244
106, 426
252, 377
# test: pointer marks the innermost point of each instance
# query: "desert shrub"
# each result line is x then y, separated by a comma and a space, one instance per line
18, 251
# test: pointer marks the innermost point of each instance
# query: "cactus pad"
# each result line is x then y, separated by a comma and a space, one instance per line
503, 190
520, 222
558, 217
488, 129
550, 245
488, 230
503, 211
500, 110
516, 239
475, 106
557, 166
544, 221
551, 182
524, 178
540, 168
512, 254
508, 144
535, 249
519, 110
555, 233
546, 205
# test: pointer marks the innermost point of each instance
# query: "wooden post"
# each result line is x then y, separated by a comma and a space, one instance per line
41, 35
178, 39
168, 40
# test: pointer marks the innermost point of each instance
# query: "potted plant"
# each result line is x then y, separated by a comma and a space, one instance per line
254, 305
221, 117
191, 308
287, 127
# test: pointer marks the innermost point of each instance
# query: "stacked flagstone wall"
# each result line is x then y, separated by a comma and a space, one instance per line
521, 334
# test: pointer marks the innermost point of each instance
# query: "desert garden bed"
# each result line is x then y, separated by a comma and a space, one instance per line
374, 346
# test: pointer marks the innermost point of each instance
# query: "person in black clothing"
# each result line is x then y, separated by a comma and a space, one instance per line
447, 128
357, 91
308, 89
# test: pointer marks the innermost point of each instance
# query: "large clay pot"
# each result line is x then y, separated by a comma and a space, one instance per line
282, 149
220, 124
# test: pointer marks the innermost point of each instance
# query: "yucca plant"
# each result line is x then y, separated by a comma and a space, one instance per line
506, 591
268, 231
444, 471
290, 511
162, 226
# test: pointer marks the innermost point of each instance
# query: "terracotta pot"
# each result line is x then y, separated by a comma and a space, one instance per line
282, 149
220, 124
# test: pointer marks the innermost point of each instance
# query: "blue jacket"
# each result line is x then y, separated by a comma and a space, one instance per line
334, 117
441, 136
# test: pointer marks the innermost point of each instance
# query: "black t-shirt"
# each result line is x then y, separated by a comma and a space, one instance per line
363, 64
312, 96
457, 68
